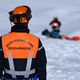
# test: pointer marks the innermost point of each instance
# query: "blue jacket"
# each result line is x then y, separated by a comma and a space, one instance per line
54, 34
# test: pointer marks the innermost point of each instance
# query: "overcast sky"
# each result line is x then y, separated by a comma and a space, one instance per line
43, 12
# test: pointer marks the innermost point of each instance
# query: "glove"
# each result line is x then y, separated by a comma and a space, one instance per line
45, 32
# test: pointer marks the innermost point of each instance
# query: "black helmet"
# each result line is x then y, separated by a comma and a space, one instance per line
55, 22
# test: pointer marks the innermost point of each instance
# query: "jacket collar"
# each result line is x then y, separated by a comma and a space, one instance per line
20, 28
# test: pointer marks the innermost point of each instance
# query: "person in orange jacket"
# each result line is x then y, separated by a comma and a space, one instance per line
22, 55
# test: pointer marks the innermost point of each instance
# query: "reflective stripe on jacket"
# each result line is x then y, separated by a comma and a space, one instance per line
17, 47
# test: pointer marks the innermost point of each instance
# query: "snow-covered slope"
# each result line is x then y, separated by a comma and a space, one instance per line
76, 33
63, 58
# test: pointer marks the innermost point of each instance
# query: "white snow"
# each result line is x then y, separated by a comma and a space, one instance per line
63, 59
76, 33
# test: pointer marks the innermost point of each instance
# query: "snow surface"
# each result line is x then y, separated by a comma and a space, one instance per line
76, 33
63, 58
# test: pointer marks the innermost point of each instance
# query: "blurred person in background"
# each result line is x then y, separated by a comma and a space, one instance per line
55, 33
